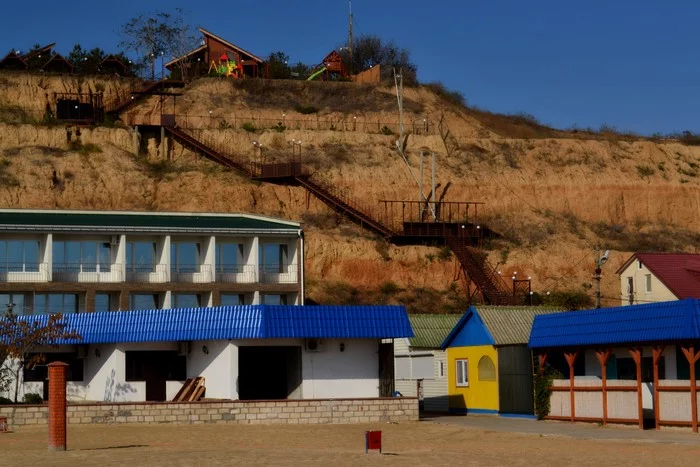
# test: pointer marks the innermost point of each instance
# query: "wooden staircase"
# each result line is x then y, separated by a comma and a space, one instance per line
448, 139
118, 106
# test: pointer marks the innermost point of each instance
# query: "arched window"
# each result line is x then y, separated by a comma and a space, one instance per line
487, 370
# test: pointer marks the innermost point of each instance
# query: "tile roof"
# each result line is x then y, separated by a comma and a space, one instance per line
680, 272
431, 329
510, 325
238, 322
507, 325
653, 322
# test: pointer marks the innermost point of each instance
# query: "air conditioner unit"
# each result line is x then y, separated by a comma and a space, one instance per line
81, 351
313, 345
183, 348
114, 240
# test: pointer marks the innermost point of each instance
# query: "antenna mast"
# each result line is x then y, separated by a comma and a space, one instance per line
350, 42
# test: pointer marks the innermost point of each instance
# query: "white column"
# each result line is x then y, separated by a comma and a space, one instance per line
256, 298
234, 371
209, 253
163, 255
119, 257
253, 260
46, 255
167, 300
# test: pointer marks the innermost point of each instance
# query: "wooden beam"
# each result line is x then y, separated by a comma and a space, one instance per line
657, 352
691, 356
636, 353
603, 357
571, 359
542, 361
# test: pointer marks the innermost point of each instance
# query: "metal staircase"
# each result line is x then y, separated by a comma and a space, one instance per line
473, 261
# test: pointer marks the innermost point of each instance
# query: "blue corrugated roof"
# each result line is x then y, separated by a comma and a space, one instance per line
238, 322
653, 322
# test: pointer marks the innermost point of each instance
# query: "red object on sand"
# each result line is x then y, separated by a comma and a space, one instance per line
373, 440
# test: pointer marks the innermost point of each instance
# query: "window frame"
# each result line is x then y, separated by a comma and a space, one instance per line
464, 362
481, 372
647, 283
441, 369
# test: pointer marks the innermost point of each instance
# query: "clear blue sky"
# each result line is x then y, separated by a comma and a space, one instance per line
631, 64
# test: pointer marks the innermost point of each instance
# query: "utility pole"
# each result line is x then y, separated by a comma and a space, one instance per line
599, 262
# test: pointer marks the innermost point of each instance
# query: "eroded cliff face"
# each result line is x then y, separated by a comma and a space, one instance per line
552, 199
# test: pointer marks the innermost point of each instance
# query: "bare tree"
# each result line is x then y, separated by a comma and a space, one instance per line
159, 34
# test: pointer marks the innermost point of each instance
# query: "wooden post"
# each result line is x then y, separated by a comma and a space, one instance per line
692, 357
657, 352
571, 359
603, 357
542, 361
57, 406
636, 354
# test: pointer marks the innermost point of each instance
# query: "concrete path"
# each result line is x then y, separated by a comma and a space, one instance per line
567, 429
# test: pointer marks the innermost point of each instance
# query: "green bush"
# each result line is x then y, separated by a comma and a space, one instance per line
5, 401
249, 127
645, 171
386, 131
33, 398
543, 391
389, 288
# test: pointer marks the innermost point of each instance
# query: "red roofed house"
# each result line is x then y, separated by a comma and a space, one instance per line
659, 277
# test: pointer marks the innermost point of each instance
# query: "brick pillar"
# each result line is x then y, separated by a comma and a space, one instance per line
57, 406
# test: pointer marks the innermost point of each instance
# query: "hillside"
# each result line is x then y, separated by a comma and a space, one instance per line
551, 194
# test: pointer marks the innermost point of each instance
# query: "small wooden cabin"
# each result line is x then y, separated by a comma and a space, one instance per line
333, 68
219, 57
57, 64
13, 61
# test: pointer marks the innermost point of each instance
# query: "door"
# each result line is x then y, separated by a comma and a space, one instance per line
386, 370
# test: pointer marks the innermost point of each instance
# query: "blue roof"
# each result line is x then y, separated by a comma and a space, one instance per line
238, 322
654, 322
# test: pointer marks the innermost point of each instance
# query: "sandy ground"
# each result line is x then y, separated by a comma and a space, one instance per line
407, 444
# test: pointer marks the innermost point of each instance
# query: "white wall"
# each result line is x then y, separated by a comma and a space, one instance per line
217, 367
434, 394
658, 293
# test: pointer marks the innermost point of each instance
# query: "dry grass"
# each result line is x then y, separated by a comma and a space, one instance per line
405, 445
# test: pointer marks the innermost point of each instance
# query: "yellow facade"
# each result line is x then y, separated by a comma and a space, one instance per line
478, 395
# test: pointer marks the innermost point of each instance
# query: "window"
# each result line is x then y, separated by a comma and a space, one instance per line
274, 257
639, 264
441, 369
87, 256
486, 369
630, 290
274, 299
144, 302
14, 301
19, 256
103, 301
423, 367
462, 372
229, 257
187, 300
647, 281
140, 256
402, 367
55, 303
184, 257
228, 299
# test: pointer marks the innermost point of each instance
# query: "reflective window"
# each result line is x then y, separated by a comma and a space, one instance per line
140, 256
102, 302
184, 257
229, 257
19, 255
144, 302
13, 301
85, 256
274, 299
228, 299
55, 303
186, 300
273, 257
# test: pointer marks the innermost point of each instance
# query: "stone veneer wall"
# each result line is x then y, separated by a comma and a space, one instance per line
337, 411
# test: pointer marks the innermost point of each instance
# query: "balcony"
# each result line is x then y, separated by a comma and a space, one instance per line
87, 272
236, 274
24, 272
192, 273
278, 274
147, 274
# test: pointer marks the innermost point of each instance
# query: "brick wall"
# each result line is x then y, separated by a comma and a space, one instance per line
337, 411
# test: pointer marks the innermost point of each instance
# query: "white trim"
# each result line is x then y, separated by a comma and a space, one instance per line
414, 354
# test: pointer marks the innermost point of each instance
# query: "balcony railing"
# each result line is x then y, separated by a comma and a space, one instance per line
87, 272
24, 272
278, 274
147, 273
233, 273
192, 273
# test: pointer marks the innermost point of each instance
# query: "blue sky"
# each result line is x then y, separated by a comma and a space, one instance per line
631, 64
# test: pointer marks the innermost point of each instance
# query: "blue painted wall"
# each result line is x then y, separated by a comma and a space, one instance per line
472, 331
